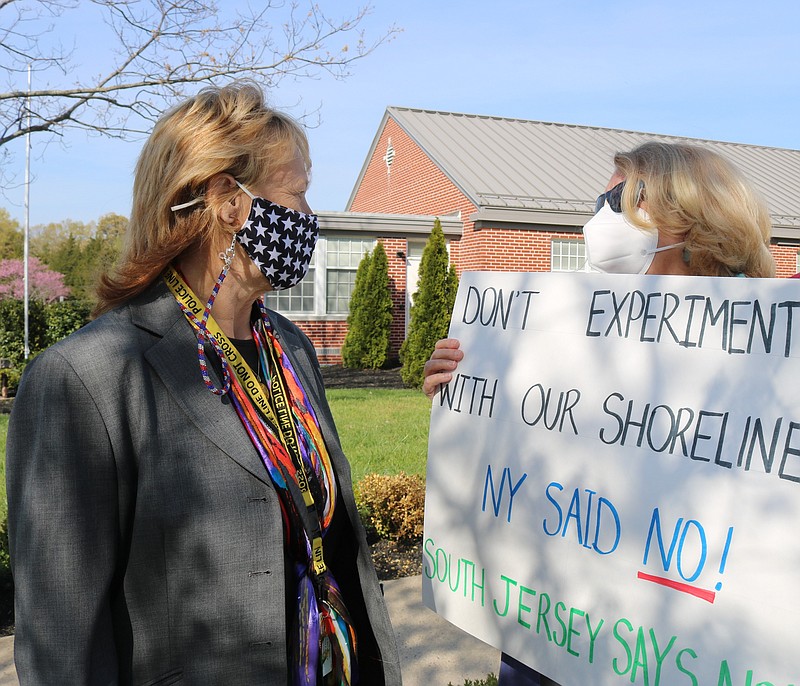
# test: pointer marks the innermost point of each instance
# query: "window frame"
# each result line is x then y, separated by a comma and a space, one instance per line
320, 266
562, 257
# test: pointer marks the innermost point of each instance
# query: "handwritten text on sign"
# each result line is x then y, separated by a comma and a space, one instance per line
614, 477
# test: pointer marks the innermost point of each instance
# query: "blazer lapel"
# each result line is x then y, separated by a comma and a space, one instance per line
174, 359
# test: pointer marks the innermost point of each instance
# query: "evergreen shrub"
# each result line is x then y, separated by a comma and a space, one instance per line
433, 304
65, 317
47, 324
366, 345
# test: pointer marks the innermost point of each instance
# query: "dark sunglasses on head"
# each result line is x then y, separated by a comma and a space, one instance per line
614, 198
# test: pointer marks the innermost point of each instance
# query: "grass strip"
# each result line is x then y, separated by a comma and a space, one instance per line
383, 431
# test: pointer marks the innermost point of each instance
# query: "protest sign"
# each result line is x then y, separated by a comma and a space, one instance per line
613, 486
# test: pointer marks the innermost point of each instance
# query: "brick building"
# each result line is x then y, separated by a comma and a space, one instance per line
512, 195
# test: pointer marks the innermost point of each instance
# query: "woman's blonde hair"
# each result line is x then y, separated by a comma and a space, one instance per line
226, 129
697, 196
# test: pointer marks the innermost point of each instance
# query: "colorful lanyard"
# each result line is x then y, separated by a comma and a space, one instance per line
275, 410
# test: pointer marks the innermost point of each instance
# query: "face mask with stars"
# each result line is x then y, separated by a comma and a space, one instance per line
279, 240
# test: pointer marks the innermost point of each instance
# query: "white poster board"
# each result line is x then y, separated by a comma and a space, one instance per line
613, 487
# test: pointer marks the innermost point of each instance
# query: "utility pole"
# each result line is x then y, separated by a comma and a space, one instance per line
25, 283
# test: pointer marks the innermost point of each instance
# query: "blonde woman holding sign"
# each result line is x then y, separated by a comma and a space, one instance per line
667, 209
180, 509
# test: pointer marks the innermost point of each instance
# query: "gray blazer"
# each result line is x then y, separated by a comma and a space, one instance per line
145, 534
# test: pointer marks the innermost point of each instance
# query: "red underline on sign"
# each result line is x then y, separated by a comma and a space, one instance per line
701, 593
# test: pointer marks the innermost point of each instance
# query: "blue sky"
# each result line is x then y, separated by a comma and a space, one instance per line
723, 70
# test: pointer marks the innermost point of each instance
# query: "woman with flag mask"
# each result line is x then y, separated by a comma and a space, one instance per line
180, 509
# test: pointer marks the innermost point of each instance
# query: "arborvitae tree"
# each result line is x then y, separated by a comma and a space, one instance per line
353, 346
366, 345
433, 304
379, 310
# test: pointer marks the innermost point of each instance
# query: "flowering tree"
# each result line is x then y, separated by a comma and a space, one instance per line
43, 283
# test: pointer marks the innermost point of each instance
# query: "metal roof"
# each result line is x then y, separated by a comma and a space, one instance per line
505, 166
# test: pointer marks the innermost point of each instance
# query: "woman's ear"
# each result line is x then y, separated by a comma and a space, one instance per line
230, 200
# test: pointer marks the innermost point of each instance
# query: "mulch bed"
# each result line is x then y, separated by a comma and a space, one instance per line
396, 560
337, 376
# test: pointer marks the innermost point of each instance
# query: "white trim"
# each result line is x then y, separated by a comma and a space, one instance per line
389, 224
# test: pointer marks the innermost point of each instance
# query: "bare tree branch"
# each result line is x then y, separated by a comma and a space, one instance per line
163, 49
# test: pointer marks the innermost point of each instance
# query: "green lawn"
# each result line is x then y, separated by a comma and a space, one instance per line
383, 431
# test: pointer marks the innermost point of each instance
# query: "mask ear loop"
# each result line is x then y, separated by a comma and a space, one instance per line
252, 197
184, 205
663, 248
204, 335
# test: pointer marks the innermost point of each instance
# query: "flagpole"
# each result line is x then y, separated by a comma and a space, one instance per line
27, 218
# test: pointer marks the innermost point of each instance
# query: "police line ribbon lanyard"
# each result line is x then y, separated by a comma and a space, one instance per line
282, 425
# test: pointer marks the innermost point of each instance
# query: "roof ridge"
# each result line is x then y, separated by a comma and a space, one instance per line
587, 127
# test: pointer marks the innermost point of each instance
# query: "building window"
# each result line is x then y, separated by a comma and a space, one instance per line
797, 262
327, 287
568, 255
343, 257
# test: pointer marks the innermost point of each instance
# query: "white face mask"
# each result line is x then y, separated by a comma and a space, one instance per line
615, 246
